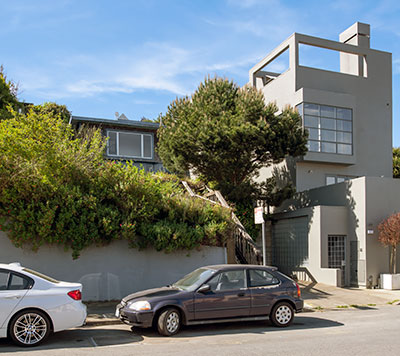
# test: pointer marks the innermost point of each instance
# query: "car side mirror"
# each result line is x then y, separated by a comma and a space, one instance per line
204, 288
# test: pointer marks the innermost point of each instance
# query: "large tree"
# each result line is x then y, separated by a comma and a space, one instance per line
396, 162
225, 134
8, 95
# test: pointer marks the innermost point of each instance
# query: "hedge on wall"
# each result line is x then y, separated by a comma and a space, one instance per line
56, 188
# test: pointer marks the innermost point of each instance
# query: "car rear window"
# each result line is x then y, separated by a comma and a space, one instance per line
40, 275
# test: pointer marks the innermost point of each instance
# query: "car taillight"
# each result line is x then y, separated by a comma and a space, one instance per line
75, 294
298, 291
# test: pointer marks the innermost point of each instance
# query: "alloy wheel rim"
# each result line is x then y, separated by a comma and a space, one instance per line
30, 328
283, 314
172, 322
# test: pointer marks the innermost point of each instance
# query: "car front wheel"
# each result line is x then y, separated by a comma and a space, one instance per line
282, 314
29, 328
169, 322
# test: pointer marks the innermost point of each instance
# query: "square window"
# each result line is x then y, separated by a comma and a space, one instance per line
311, 109
344, 114
130, 144
343, 125
313, 134
344, 137
328, 111
314, 146
330, 180
328, 124
328, 147
310, 121
344, 149
327, 135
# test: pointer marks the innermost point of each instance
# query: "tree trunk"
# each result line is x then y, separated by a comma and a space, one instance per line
394, 258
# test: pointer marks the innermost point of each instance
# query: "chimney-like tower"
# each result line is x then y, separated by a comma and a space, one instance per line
356, 35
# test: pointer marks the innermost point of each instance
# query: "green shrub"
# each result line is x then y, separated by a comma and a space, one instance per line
56, 188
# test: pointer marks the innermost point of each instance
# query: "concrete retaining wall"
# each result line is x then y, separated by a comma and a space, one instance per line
114, 271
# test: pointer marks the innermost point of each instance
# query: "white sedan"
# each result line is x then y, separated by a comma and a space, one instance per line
32, 305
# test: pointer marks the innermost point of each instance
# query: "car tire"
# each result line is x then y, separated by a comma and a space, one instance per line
29, 328
169, 322
282, 314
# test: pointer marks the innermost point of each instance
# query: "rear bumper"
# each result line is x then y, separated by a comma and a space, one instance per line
299, 305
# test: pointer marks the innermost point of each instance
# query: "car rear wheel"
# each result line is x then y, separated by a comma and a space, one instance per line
282, 314
29, 328
169, 322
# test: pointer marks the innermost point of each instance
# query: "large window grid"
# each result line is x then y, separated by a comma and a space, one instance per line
129, 144
330, 128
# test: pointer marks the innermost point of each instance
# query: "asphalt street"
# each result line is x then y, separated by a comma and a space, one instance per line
372, 331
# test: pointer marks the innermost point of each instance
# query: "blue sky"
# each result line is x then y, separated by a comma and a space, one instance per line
134, 57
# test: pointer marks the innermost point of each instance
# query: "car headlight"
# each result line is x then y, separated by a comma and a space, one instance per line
140, 306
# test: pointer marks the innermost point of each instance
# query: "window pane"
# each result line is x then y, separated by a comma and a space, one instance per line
18, 283
343, 125
341, 179
344, 137
112, 143
130, 145
311, 109
328, 124
228, 280
259, 278
3, 280
344, 149
300, 109
330, 180
328, 111
313, 146
328, 147
313, 134
147, 146
343, 114
310, 121
328, 135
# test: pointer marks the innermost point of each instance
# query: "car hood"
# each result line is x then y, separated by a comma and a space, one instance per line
153, 293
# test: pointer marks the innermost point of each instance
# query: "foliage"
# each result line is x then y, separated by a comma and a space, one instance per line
53, 109
56, 188
8, 95
389, 235
396, 162
226, 134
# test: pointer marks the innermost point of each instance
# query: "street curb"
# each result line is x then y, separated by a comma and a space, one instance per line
98, 321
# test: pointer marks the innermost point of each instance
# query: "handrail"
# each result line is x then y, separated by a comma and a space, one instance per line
246, 250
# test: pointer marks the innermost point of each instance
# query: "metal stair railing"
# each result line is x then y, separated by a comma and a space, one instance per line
246, 250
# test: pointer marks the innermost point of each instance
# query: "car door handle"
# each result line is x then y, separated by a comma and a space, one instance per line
241, 294
12, 297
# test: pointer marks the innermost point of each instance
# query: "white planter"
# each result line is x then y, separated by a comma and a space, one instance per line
390, 281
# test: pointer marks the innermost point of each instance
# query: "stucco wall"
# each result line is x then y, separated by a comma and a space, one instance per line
114, 271
383, 199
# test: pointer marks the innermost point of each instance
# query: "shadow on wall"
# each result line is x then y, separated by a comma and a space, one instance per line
100, 286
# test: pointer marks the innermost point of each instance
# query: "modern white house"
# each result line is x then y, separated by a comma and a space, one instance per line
344, 183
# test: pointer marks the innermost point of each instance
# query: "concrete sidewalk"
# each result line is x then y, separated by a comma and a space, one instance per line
317, 297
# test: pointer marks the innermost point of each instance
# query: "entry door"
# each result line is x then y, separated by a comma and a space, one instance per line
229, 297
337, 254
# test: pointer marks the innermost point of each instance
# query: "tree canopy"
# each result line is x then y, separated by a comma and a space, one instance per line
225, 134
8, 95
396, 162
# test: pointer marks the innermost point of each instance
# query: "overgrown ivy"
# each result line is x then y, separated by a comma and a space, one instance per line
56, 188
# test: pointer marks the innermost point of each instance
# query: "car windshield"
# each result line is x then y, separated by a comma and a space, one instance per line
194, 279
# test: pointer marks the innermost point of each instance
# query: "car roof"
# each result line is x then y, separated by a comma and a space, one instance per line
14, 266
228, 267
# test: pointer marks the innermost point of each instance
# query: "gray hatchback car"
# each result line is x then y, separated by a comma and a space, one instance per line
215, 294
